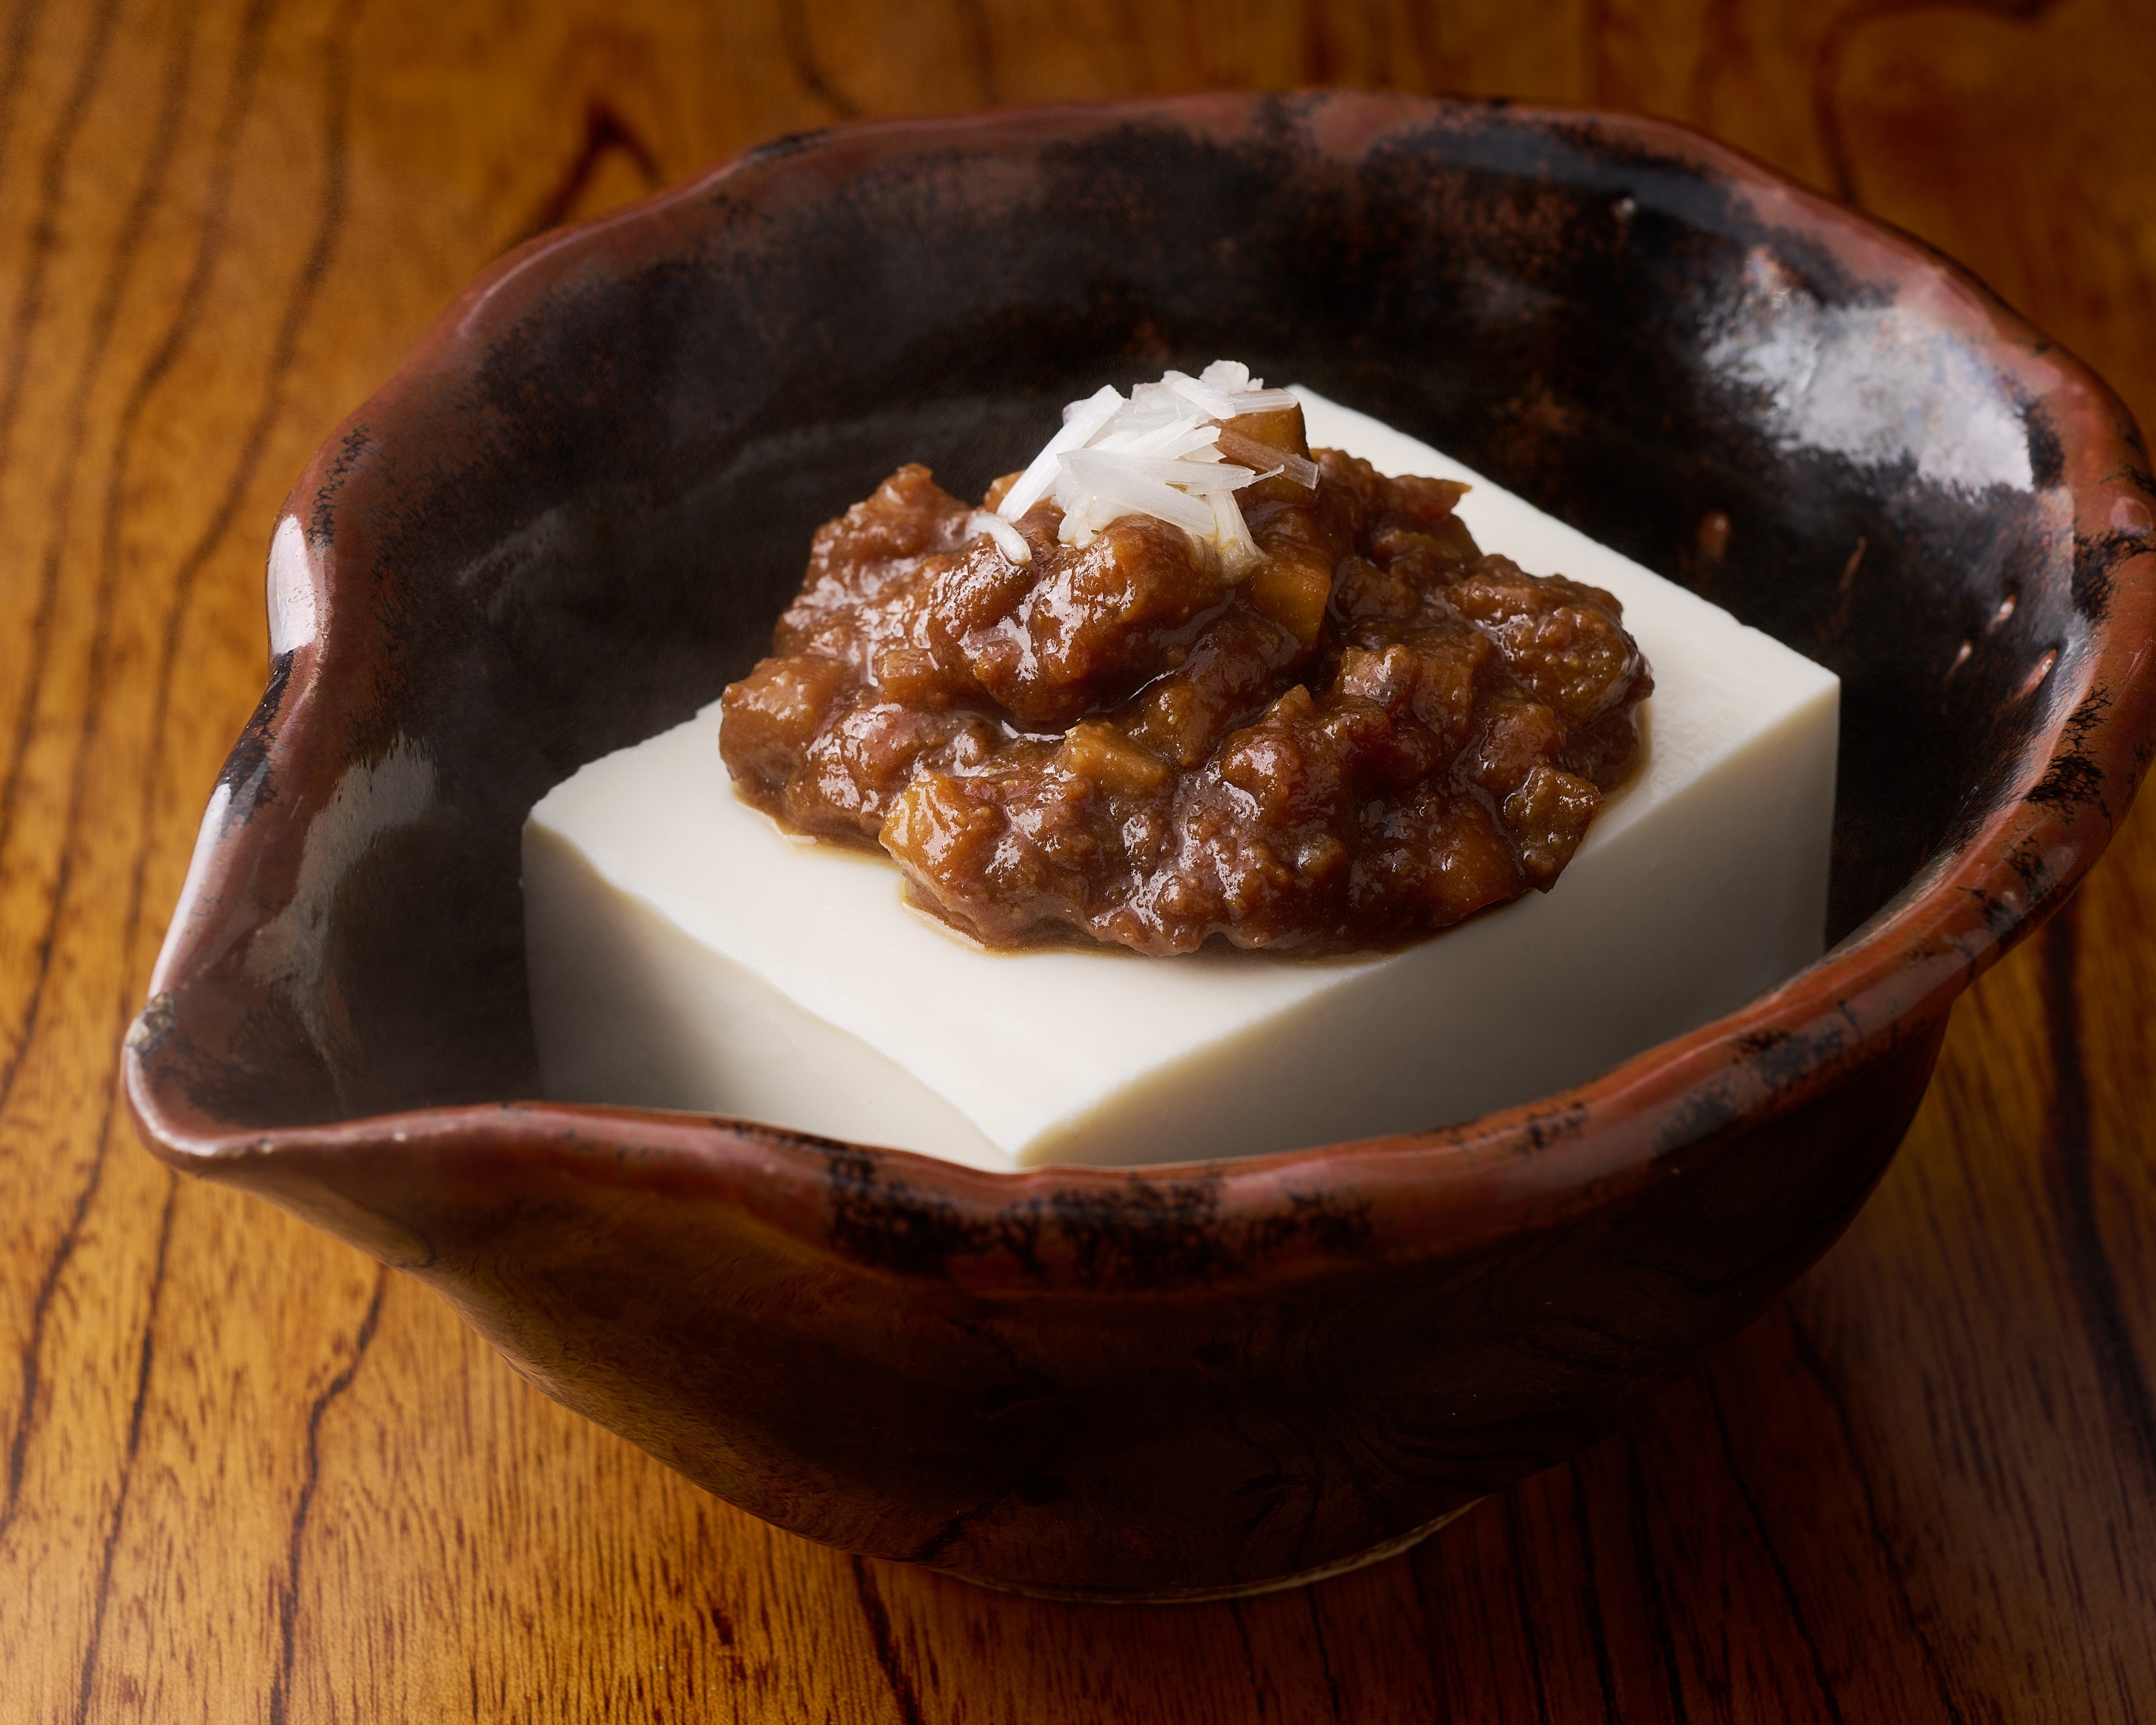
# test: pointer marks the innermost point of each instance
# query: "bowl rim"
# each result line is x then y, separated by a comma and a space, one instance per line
1534, 1164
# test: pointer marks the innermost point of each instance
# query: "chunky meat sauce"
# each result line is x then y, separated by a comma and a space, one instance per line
1374, 732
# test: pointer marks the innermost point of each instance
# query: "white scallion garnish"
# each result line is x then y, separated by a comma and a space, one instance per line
1008, 540
1082, 422
1159, 452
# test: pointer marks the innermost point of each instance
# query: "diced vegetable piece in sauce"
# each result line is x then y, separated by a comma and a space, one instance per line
1313, 717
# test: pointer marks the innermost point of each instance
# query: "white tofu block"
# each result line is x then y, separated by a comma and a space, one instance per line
684, 953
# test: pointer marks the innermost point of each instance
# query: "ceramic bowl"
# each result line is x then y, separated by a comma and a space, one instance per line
572, 517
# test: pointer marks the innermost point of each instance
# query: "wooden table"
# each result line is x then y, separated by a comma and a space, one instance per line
248, 1475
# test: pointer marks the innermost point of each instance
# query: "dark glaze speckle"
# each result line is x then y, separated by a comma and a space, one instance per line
878, 1218
1138, 1233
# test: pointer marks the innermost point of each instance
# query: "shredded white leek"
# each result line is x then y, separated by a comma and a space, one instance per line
1008, 540
1159, 453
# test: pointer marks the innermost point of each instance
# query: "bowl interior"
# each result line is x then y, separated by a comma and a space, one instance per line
574, 518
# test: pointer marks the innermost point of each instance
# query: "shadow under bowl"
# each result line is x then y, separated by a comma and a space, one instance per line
572, 517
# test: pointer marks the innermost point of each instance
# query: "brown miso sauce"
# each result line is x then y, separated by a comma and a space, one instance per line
1374, 732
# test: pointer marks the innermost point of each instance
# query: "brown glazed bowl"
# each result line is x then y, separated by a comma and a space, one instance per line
574, 515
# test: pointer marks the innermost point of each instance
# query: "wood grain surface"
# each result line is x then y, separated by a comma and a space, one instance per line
247, 1475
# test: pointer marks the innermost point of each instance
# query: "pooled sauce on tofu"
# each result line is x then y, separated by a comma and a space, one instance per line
1336, 727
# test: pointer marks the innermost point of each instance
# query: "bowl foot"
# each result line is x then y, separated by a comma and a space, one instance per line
1233, 1590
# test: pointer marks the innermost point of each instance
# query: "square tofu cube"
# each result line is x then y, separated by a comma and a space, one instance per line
684, 953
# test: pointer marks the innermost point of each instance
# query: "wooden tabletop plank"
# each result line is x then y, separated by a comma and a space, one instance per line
250, 1475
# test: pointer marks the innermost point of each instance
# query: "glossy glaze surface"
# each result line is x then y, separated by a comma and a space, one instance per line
507, 570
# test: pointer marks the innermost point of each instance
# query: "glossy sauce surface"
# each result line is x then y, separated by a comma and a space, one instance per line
1376, 732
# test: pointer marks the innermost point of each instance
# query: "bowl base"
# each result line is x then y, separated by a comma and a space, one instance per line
1234, 1590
